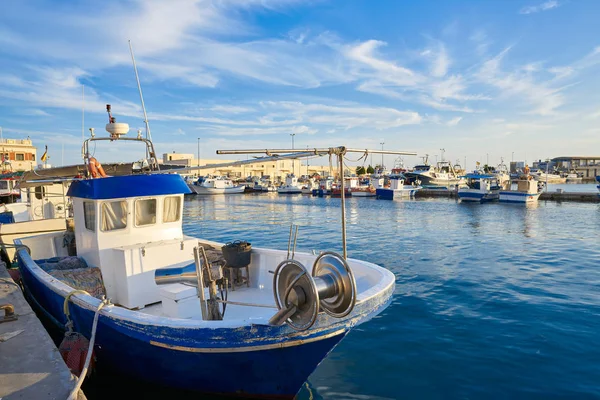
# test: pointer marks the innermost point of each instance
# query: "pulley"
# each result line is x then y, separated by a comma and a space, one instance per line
300, 296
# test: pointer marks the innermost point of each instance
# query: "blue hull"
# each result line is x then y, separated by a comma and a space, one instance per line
251, 361
478, 197
390, 194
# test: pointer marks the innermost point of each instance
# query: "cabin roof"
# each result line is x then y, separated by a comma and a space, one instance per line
115, 187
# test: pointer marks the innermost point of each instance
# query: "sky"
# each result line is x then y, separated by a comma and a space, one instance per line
464, 80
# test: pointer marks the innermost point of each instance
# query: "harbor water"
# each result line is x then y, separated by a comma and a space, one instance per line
493, 301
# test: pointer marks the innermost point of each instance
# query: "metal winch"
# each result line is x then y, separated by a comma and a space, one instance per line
300, 296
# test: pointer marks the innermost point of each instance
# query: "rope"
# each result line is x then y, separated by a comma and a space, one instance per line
88, 358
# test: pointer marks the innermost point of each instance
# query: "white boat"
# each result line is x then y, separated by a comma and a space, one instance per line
290, 186
443, 175
364, 188
528, 191
165, 322
397, 189
572, 176
548, 177
309, 186
216, 185
479, 188
41, 208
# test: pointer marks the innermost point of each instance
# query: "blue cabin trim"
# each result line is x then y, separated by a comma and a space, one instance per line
116, 187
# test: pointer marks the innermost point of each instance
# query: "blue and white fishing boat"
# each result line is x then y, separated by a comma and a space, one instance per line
528, 191
157, 305
397, 188
598, 187
479, 188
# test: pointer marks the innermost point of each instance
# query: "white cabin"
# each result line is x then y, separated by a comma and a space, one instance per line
129, 229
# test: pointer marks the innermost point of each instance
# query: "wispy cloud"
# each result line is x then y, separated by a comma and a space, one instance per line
548, 5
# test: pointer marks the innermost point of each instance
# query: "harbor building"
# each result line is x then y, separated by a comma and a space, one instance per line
18, 154
587, 166
272, 169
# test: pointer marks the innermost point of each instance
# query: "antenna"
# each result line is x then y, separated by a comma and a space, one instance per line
82, 111
148, 135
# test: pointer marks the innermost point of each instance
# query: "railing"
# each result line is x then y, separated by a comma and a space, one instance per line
16, 141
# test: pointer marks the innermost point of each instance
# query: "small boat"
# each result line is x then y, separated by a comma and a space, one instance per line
364, 189
165, 322
598, 187
548, 177
398, 188
216, 185
290, 186
528, 191
309, 186
479, 188
324, 189
572, 176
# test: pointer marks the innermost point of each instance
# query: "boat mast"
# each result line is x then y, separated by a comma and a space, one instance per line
148, 134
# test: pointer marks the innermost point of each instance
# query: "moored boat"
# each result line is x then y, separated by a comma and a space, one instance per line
397, 189
216, 185
165, 322
290, 186
528, 191
479, 188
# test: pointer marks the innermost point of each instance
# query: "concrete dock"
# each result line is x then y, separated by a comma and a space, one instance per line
591, 197
30, 365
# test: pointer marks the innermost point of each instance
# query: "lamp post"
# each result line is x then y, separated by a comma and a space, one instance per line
512, 156
293, 161
198, 153
382, 143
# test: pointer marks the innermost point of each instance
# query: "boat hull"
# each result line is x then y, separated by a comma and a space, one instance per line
477, 197
256, 360
518, 197
391, 194
363, 193
207, 190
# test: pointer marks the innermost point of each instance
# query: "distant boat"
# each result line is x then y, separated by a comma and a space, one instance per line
364, 189
397, 189
479, 188
291, 185
548, 177
216, 185
443, 175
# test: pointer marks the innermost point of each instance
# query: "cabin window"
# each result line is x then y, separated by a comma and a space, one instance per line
171, 207
39, 192
145, 212
20, 157
114, 215
89, 214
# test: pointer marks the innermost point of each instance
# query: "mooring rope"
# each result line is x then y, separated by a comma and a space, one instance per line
88, 357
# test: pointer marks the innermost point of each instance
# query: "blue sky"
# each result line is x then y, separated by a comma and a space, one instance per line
480, 79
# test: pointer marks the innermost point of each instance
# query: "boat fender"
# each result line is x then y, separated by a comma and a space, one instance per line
95, 168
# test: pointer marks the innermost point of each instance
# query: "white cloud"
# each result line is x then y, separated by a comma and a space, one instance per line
454, 121
548, 5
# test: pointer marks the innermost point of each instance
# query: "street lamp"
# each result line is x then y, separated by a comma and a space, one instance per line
382, 143
293, 161
198, 153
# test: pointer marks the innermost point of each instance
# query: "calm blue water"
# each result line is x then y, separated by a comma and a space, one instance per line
493, 301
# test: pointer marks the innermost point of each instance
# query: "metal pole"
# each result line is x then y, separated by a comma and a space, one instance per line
341, 158
198, 151
382, 143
